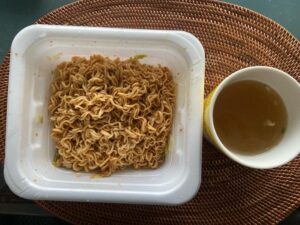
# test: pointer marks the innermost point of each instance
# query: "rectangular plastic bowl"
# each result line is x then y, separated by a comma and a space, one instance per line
35, 52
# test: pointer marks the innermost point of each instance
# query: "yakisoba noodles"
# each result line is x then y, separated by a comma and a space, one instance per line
111, 114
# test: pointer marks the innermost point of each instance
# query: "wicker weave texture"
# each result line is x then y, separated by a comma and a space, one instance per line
233, 38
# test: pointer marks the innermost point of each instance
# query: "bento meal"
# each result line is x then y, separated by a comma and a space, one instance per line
110, 114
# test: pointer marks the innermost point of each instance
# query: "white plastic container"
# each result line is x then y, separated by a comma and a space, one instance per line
35, 52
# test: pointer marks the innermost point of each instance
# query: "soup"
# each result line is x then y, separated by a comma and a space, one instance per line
249, 117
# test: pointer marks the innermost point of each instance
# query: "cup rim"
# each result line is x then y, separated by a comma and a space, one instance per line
216, 138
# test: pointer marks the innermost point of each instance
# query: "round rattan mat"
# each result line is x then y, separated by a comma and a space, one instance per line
233, 38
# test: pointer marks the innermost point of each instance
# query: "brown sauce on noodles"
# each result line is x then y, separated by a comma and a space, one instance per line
111, 114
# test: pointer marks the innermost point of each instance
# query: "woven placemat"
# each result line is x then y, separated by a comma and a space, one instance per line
233, 38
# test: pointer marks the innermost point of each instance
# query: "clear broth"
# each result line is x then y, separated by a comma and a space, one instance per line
249, 117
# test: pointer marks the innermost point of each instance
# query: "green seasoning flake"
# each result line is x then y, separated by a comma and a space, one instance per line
141, 56
40, 119
282, 130
55, 158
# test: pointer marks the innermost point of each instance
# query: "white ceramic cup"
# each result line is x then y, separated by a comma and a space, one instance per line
289, 90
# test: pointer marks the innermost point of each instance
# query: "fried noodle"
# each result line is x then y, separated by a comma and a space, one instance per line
110, 114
